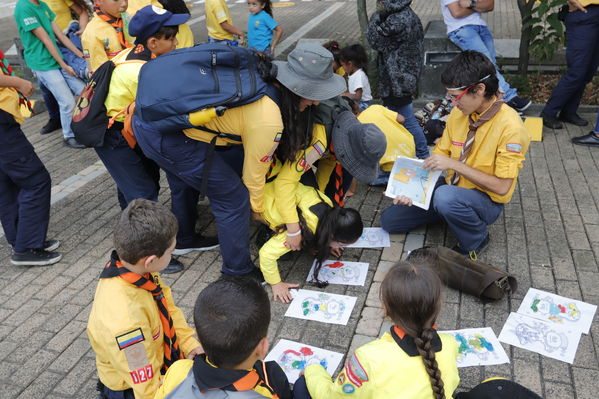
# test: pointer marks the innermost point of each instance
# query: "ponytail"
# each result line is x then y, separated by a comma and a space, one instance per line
267, 6
423, 344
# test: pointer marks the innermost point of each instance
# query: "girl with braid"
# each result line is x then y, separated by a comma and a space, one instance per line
410, 361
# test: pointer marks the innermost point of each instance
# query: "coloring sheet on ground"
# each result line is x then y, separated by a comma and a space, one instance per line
478, 347
294, 357
341, 272
321, 306
372, 237
410, 179
548, 339
557, 309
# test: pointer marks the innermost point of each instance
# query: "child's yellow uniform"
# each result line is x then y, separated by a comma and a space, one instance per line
388, 367
309, 201
217, 12
100, 42
62, 9
498, 150
260, 126
126, 333
399, 141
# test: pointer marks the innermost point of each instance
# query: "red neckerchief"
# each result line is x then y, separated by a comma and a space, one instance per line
7, 70
116, 23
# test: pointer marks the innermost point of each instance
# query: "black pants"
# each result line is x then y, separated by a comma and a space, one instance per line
24, 188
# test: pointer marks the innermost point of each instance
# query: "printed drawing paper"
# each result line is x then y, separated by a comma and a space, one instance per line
341, 272
321, 306
372, 237
478, 347
409, 178
294, 357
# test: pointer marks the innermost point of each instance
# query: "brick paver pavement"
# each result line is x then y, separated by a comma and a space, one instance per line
548, 237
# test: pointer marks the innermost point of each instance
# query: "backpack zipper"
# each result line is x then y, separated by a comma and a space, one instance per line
214, 74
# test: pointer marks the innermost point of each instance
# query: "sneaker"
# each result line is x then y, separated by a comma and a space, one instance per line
473, 254
51, 245
52, 125
173, 267
35, 257
201, 244
551, 121
519, 104
73, 143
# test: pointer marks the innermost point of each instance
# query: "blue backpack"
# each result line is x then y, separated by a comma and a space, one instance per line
207, 76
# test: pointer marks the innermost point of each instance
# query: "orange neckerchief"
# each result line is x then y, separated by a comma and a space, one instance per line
116, 23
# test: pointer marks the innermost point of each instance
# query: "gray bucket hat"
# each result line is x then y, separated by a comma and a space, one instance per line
358, 146
309, 74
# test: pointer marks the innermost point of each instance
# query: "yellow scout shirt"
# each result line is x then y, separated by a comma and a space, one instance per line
217, 12
499, 147
399, 141
100, 42
382, 370
260, 126
288, 174
588, 2
185, 35
62, 9
122, 313
273, 249
9, 102
123, 84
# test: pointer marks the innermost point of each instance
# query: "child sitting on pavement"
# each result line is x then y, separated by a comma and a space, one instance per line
134, 327
411, 361
231, 317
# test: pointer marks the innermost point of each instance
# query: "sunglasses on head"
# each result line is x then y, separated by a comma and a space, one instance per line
454, 98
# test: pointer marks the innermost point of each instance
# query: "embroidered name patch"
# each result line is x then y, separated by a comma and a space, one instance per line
129, 338
143, 374
457, 143
514, 147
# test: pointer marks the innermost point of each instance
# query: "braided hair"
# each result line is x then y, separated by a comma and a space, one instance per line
411, 294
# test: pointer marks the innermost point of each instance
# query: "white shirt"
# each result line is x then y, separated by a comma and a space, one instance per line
359, 80
456, 23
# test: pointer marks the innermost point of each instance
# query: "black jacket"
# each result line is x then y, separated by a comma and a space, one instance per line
396, 33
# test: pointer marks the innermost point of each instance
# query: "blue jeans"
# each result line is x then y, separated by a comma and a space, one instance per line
24, 188
479, 38
466, 211
582, 59
233, 43
62, 86
50, 101
185, 158
412, 125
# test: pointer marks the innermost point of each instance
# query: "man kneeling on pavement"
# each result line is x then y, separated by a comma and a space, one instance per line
482, 150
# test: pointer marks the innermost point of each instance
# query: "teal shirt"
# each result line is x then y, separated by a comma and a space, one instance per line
29, 16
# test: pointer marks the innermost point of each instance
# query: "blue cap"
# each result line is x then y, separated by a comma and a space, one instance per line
150, 19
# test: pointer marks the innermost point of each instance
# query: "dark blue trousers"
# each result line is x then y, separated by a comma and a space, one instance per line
24, 188
135, 175
300, 389
229, 199
582, 57
468, 212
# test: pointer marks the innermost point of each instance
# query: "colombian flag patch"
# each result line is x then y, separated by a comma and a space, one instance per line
130, 338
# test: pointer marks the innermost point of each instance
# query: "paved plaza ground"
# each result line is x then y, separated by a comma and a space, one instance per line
548, 237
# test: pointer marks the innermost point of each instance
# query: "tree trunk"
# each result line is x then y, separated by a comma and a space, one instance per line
372, 67
525, 7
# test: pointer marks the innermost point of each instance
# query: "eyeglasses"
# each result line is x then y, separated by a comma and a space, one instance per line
454, 98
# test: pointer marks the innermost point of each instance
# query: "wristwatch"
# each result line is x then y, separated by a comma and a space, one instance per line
472, 5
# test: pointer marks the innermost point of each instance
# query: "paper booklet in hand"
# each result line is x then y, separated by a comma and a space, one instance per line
409, 178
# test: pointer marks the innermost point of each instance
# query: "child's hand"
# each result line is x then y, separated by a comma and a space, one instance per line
402, 200
337, 252
400, 118
69, 70
197, 351
26, 87
272, 51
280, 291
